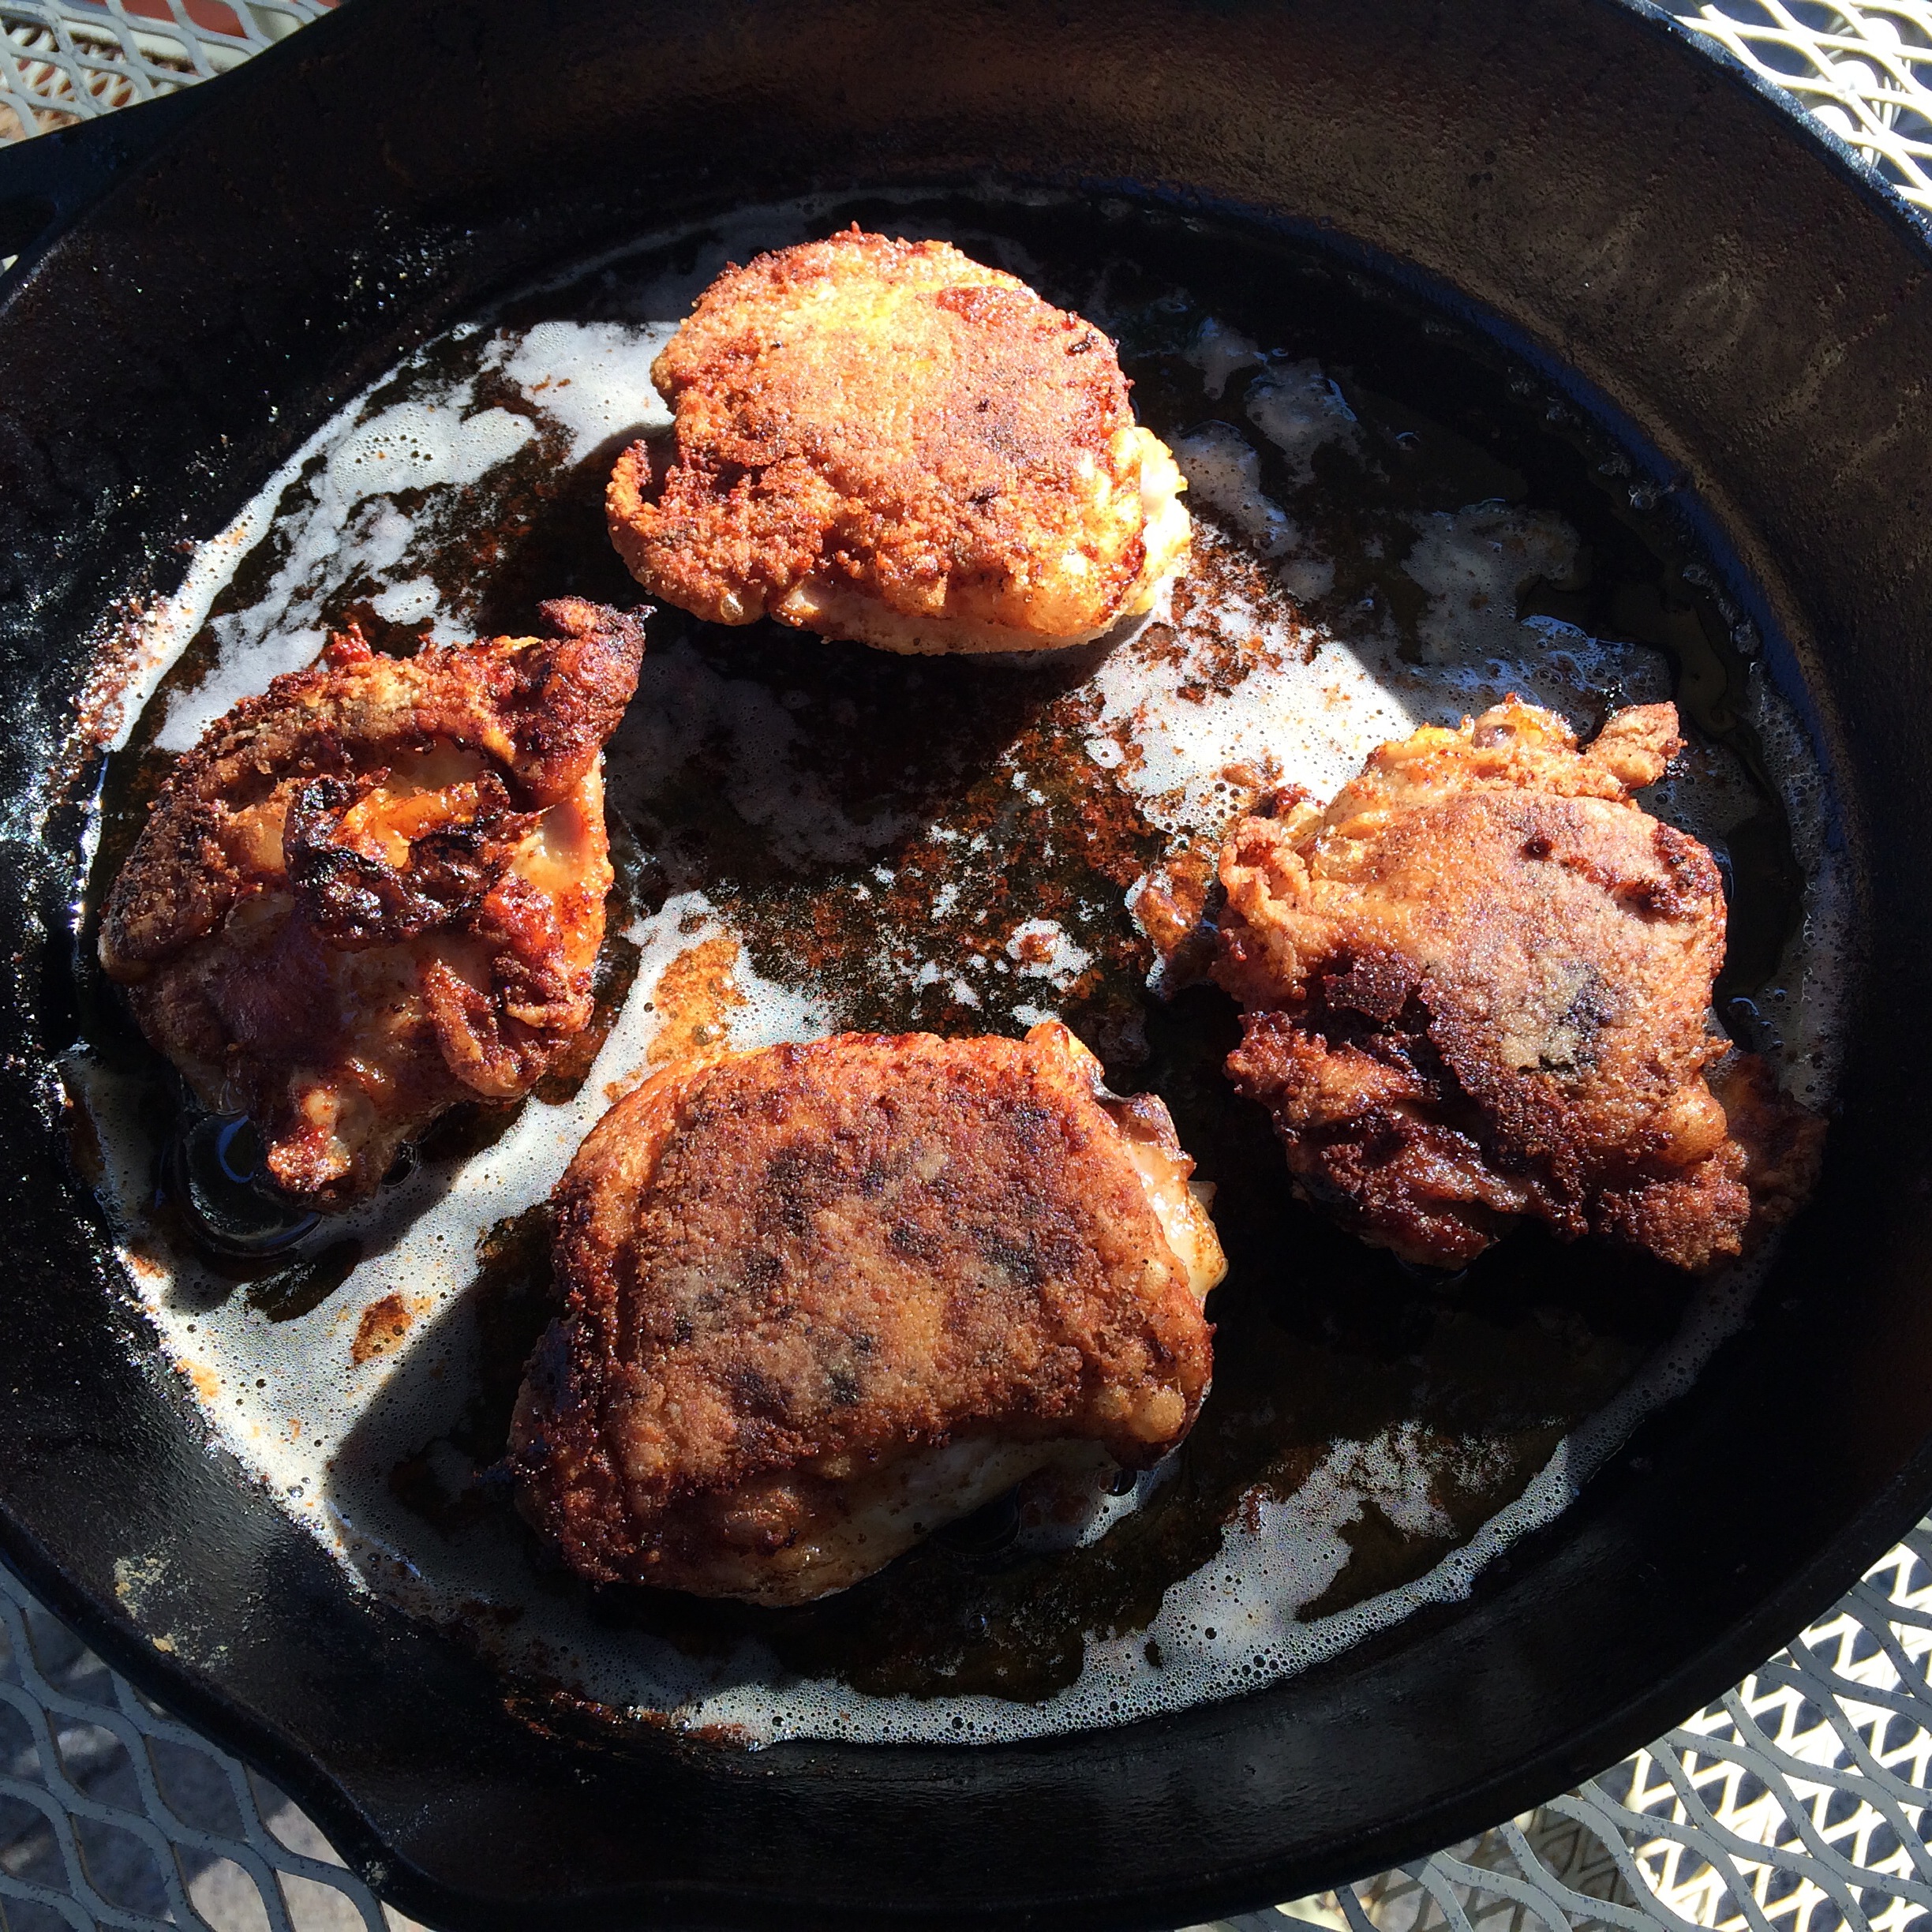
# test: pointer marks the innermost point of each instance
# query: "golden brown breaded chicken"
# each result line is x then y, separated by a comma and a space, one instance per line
885, 441
1478, 987
821, 1300
378, 889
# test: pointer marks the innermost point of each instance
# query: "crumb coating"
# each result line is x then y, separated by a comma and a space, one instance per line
884, 440
1478, 989
377, 889
784, 1272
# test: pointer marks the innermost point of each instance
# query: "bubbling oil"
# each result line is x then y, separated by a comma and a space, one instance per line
1395, 526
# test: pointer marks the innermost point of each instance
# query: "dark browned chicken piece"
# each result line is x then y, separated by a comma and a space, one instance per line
886, 441
378, 889
1478, 987
821, 1300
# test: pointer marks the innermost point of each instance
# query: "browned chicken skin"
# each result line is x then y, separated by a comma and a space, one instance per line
1478, 987
378, 889
820, 1300
886, 441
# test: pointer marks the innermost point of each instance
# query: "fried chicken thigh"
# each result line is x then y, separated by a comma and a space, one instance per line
885, 441
1478, 988
378, 889
821, 1299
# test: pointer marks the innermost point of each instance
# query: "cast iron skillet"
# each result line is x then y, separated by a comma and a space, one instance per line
1575, 175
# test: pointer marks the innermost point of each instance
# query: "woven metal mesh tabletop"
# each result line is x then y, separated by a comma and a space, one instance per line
1797, 1801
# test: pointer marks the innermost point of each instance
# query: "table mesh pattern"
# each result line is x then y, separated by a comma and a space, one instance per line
1864, 71
61, 61
112, 1813
1795, 1803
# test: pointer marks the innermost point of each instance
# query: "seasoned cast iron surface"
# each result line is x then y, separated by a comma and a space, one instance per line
172, 346
817, 834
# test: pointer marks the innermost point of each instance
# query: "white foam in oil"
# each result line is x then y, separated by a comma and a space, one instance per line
321, 1407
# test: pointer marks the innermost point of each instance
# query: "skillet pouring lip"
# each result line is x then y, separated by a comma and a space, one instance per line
1729, 291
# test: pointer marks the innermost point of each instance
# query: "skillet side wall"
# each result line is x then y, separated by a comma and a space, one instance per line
1574, 170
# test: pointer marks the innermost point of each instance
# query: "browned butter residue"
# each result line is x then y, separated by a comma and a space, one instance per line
381, 1330
694, 999
83, 1143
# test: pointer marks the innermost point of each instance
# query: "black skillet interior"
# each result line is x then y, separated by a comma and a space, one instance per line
1570, 173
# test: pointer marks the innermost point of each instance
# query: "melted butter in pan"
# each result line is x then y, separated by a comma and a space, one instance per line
1394, 526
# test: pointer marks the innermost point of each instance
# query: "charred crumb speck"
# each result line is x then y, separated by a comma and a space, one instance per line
382, 1328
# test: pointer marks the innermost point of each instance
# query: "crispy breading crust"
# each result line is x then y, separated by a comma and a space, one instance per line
872, 433
1478, 987
378, 888
783, 1271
